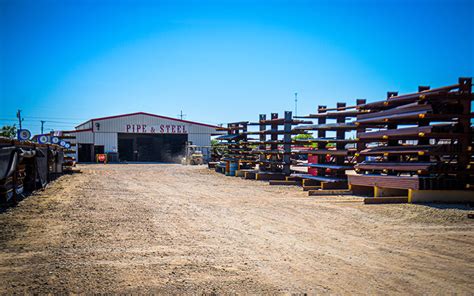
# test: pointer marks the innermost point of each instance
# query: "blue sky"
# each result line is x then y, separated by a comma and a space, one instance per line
67, 61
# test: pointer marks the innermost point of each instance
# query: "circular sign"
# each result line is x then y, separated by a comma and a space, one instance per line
62, 143
67, 145
101, 157
55, 140
24, 134
43, 139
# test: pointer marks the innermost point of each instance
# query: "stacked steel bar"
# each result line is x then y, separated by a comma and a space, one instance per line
26, 166
327, 164
69, 154
418, 141
237, 149
254, 145
274, 153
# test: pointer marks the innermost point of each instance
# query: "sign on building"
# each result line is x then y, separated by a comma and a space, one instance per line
156, 129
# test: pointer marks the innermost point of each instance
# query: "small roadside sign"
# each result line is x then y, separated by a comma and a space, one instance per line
55, 140
101, 158
24, 134
43, 139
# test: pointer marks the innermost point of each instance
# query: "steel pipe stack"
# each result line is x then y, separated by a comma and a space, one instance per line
26, 166
274, 146
418, 145
335, 151
236, 149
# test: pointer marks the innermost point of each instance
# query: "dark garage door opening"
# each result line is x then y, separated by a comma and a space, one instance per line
153, 148
85, 152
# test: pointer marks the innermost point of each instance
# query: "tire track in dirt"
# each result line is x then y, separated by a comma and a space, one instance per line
183, 229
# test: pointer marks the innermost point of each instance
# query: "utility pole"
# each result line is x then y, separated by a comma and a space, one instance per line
42, 124
181, 115
18, 115
296, 104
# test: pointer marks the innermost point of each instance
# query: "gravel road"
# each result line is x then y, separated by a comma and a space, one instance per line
159, 228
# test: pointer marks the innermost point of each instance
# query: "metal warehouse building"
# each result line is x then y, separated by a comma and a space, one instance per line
140, 137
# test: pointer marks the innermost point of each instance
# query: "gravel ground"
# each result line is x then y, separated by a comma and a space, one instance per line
143, 228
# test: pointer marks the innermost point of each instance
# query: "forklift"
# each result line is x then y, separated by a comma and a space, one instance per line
194, 154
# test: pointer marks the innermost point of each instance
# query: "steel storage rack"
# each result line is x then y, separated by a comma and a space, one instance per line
335, 151
236, 154
418, 146
274, 146
255, 158
69, 154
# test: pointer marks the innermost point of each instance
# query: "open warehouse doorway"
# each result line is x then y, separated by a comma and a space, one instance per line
151, 147
140, 136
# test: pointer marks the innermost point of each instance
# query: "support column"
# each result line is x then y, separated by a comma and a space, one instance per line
287, 143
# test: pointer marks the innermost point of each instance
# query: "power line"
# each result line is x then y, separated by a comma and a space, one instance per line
31, 120
54, 121
61, 118
37, 122
52, 117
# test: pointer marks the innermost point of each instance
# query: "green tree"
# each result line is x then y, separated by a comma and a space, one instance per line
306, 137
214, 142
303, 136
8, 131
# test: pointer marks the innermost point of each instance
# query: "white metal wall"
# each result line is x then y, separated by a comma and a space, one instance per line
109, 140
200, 139
119, 124
106, 133
85, 137
86, 125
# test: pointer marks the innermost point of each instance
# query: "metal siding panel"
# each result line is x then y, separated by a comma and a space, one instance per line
200, 139
108, 140
199, 129
85, 138
106, 134
86, 125
119, 124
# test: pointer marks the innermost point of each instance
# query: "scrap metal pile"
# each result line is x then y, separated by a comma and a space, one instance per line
418, 146
27, 166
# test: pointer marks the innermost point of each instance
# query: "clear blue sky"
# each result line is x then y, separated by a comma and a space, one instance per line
68, 61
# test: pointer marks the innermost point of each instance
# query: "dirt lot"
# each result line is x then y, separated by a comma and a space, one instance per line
175, 229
